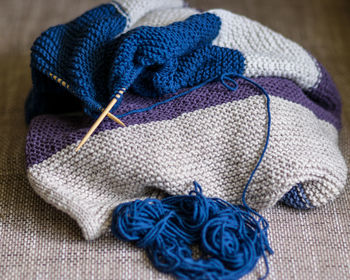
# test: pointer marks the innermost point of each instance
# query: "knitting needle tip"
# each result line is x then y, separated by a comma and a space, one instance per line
114, 118
102, 116
96, 123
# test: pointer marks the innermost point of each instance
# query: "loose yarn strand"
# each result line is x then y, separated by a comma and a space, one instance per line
141, 110
231, 237
266, 140
265, 224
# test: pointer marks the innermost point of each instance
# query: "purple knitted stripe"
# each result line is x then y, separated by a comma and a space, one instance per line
49, 134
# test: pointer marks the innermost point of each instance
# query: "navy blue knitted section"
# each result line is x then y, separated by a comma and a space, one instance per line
87, 58
73, 55
165, 59
187, 71
296, 198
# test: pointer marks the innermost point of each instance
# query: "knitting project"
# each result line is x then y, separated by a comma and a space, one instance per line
184, 123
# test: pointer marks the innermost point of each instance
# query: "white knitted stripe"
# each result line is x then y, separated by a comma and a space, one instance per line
218, 146
135, 9
267, 53
166, 16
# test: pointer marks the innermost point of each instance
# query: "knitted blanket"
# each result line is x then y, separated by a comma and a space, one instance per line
213, 135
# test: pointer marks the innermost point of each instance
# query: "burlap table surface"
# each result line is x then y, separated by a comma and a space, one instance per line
39, 242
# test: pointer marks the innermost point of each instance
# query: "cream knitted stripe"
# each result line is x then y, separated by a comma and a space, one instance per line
267, 53
217, 146
166, 16
136, 9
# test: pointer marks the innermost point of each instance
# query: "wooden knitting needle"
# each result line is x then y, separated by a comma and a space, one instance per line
100, 119
63, 83
66, 85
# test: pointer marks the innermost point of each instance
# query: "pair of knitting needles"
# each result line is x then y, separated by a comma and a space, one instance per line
105, 113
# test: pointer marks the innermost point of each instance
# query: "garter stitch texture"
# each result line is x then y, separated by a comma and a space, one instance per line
211, 135
164, 59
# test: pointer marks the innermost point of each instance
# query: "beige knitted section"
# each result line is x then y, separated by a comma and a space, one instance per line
121, 164
266, 52
136, 9
166, 16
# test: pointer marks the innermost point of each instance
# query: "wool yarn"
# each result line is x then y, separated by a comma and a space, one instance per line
183, 123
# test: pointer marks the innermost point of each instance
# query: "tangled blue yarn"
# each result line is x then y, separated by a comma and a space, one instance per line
232, 238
